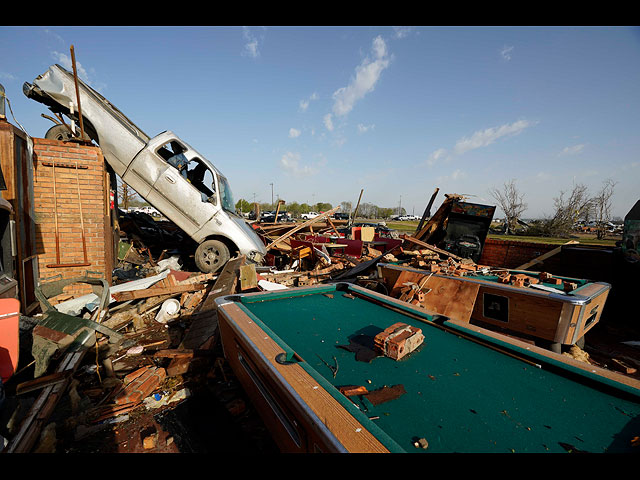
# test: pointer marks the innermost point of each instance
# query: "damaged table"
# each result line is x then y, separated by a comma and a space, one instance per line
307, 358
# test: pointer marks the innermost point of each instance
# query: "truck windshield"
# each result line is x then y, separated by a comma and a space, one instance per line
226, 197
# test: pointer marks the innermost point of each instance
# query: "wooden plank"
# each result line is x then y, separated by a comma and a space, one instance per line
427, 212
447, 296
42, 382
248, 277
303, 225
225, 284
43, 407
545, 256
436, 220
156, 291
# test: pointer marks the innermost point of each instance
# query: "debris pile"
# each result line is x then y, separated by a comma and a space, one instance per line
150, 340
141, 345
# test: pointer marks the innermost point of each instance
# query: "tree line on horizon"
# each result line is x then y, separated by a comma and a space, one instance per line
365, 209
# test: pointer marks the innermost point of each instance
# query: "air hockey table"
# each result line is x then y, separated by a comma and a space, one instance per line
305, 358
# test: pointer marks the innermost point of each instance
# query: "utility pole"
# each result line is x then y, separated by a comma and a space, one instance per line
271, 193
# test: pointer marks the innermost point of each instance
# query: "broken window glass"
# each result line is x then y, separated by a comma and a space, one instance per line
201, 177
172, 152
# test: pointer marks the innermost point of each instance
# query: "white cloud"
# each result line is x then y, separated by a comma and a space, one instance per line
365, 128
6, 76
290, 163
506, 52
366, 76
435, 156
304, 103
328, 122
573, 150
483, 138
252, 45
455, 175
402, 32
293, 133
65, 61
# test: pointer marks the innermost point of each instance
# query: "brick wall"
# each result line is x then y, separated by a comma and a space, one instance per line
512, 253
91, 180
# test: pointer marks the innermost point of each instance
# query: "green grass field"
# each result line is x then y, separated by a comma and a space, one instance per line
587, 239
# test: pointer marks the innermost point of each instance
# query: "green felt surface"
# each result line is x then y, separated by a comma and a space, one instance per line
579, 282
461, 395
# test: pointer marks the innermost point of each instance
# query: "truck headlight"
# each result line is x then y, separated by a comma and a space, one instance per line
255, 256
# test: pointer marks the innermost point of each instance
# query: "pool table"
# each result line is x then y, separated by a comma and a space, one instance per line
542, 311
305, 358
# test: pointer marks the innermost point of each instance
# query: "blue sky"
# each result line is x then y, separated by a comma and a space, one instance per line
323, 112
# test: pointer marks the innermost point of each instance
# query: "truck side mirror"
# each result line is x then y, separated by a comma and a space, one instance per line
213, 199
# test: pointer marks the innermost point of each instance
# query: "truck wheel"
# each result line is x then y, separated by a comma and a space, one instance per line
211, 255
58, 132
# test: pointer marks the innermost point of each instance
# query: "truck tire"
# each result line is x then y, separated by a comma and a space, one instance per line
211, 255
58, 132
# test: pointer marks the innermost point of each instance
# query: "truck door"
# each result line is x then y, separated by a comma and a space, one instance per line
188, 206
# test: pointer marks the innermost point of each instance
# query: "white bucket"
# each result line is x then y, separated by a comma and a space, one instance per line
168, 311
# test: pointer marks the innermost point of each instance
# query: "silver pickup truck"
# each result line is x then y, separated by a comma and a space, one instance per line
167, 172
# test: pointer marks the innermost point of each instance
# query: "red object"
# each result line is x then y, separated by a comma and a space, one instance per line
9, 337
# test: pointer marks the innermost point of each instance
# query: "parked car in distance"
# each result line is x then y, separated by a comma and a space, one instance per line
341, 216
309, 216
271, 216
381, 230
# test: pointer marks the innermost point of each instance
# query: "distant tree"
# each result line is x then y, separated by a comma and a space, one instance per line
243, 206
568, 211
346, 207
322, 207
385, 213
601, 206
127, 195
511, 202
294, 209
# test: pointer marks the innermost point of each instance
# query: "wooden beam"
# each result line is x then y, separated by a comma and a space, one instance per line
302, 225
225, 284
427, 211
248, 277
157, 291
545, 256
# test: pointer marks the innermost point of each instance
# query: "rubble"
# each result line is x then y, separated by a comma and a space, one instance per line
149, 342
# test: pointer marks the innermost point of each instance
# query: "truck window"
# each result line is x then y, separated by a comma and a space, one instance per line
201, 177
173, 153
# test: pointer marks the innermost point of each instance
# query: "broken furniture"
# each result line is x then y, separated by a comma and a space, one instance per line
465, 389
57, 332
458, 227
556, 310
